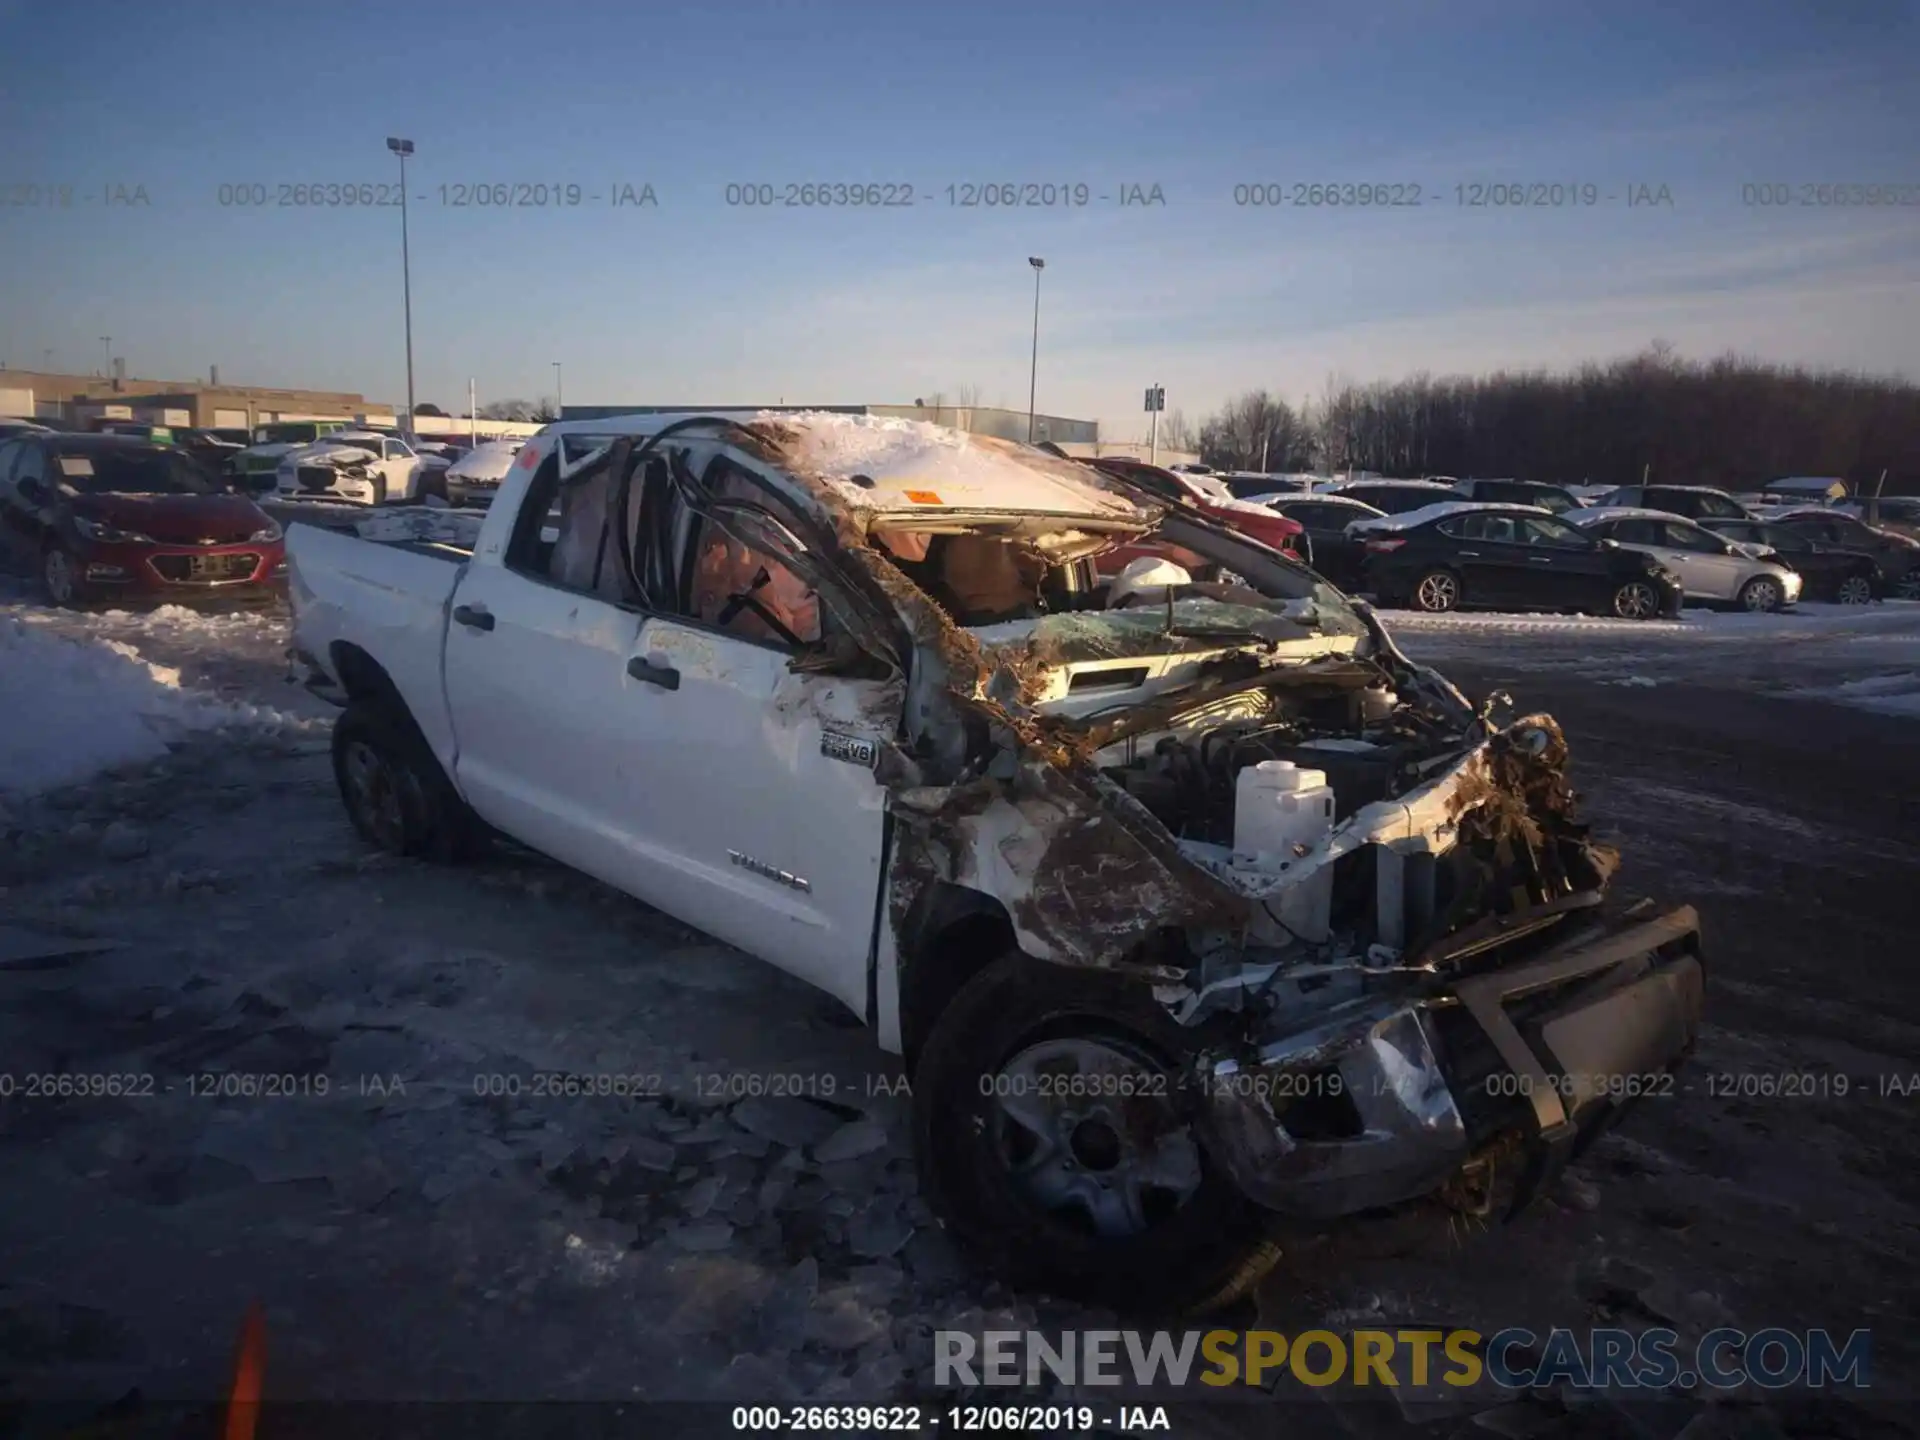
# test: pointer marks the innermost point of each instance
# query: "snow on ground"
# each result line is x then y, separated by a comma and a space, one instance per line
78, 699
1897, 694
1861, 655
735, 1213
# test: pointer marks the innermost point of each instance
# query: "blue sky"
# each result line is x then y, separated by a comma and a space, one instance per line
697, 301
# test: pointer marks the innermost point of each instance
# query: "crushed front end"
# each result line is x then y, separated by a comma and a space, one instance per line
1473, 998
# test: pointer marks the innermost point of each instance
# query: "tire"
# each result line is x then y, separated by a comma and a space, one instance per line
60, 578
1437, 592
1202, 1245
1907, 587
1635, 600
1762, 595
396, 794
1855, 590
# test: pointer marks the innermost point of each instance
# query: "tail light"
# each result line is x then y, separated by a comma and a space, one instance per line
1383, 547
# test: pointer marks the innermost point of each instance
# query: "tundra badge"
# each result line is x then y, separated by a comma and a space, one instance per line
850, 748
771, 872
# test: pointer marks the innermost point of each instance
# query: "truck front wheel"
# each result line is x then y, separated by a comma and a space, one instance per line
396, 794
1050, 1139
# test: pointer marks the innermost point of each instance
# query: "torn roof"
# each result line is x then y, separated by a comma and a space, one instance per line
881, 465
909, 466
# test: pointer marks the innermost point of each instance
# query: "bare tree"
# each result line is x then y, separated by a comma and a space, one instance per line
967, 397
1254, 432
1177, 432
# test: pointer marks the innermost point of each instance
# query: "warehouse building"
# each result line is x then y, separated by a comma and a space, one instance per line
82, 400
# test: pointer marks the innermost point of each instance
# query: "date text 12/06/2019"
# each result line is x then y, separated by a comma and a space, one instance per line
967, 195
954, 1419
1468, 195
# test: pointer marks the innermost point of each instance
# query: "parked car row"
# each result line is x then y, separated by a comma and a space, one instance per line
104, 516
1461, 553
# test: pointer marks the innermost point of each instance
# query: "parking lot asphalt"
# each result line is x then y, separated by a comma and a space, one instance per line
439, 1243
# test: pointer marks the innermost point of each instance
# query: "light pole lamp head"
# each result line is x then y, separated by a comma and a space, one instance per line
1036, 262
399, 147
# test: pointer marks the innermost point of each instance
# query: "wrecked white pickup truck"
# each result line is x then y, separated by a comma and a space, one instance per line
1196, 909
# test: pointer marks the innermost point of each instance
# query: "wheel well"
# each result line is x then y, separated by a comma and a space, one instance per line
365, 678
951, 934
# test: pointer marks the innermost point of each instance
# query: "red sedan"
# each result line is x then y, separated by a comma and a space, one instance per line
114, 516
1256, 522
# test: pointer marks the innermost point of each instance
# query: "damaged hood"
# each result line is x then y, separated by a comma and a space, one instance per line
329, 452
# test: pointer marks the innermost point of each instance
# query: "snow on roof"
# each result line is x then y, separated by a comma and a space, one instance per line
1817, 484
1340, 485
1297, 497
886, 465
1627, 512
1408, 519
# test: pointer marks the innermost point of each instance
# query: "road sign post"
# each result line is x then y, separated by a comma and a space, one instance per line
1156, 402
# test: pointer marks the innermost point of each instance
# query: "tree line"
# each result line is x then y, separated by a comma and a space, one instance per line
1733, 423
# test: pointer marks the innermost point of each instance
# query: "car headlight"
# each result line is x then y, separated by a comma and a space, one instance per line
266, 536
108, 534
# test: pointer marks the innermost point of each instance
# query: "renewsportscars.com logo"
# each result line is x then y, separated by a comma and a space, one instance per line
1514, 1358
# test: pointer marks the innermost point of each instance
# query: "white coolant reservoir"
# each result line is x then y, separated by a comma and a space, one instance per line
1281, 814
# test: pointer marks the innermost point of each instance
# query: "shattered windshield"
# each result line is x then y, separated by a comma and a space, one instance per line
1199, 623
1080, 595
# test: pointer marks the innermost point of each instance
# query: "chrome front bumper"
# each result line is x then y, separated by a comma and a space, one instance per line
1384, 1098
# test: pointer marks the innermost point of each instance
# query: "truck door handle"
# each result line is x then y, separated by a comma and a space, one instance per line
1469, 554
475, 615
665, 676
1539, 559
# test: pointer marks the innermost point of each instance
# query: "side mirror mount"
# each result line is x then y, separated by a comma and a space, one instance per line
1607, 543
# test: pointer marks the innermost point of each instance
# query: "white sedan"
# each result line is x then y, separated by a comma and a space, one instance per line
475, 477
358, 465
1711, 569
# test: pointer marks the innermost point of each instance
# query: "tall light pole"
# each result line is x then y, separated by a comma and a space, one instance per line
404, 148
1033, 374
559, 401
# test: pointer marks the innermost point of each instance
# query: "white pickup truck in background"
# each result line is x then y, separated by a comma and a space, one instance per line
1195, 909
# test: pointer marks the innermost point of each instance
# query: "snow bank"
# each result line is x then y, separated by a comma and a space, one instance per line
70, 708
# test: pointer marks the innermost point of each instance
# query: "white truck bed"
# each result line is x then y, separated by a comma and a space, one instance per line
387, 586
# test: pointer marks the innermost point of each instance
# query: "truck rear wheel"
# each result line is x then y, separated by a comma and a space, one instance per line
1048, 1139
396, 794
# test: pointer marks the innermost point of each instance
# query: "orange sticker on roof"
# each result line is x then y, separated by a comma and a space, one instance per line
922, 497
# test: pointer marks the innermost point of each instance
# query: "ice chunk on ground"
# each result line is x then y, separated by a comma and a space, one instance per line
850, 1141
879, 1230
784, 1120
782, 1321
